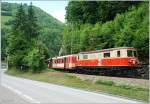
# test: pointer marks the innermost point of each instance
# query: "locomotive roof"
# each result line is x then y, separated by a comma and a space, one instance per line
110, 49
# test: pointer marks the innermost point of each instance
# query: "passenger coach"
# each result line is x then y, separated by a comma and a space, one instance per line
63, 62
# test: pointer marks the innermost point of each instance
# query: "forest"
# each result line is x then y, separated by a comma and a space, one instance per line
50, 28
30, 36
99, 25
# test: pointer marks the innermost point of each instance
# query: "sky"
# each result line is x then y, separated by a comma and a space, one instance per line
54, 8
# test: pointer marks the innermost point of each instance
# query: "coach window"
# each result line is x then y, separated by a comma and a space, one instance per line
118, 53
107, 54
129, 53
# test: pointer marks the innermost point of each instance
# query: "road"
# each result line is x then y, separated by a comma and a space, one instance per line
9, 97
40, 92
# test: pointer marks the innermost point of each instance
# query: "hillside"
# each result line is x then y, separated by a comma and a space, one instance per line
50, 27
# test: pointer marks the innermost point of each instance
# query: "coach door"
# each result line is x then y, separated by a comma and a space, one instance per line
100, 56
50, 63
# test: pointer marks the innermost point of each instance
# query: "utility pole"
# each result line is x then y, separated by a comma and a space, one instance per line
71, 39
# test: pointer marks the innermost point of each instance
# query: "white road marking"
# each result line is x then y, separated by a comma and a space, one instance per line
21, 94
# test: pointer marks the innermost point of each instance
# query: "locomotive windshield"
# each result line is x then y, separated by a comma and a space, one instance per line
131, 53
135, 53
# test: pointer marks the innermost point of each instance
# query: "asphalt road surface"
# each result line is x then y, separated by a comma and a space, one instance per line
9, 97
39, 92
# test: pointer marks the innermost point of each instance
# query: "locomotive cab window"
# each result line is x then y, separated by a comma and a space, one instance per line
107, 54
129, 53
118, 53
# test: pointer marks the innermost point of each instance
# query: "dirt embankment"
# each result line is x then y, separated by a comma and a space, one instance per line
118, 80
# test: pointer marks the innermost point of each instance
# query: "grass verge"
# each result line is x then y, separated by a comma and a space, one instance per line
56, 77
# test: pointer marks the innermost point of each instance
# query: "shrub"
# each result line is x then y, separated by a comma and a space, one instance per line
109, 83
35, 60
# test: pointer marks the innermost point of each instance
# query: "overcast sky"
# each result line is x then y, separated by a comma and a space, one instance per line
54, 8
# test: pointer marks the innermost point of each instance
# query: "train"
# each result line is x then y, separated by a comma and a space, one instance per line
113, 58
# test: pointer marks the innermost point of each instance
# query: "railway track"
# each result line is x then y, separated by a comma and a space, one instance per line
144, 83
140, 73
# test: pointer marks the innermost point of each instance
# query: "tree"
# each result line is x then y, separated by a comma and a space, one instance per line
23, 54
37, 51
17, 43
17, 49
20, 19
32, 26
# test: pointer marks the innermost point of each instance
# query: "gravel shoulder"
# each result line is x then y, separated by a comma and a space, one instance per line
118, 80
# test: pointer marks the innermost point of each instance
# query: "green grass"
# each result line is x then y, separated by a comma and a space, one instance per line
66, 79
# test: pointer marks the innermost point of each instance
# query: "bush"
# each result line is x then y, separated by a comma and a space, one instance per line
35, 61
109, 83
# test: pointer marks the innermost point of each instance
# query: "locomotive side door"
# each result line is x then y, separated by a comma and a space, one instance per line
65, 59
100, 56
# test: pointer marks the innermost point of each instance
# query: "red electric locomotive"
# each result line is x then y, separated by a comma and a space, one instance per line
106, 58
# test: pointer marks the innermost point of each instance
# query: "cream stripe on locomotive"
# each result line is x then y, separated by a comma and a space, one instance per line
60, 65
